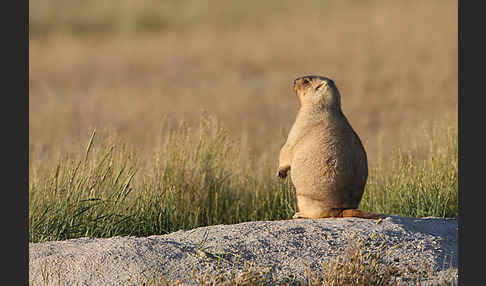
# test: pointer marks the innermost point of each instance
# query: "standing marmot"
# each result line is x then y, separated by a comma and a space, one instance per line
326, 159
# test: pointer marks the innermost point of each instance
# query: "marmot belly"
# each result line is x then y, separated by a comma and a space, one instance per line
330, 175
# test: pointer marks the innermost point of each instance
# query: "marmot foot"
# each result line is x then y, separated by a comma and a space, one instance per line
298, 215
341, 213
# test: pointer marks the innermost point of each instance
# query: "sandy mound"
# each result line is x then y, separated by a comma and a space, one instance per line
284, 248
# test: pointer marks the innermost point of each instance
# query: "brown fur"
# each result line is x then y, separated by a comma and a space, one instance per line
327, 162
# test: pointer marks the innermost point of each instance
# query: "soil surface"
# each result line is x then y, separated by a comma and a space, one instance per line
417, 247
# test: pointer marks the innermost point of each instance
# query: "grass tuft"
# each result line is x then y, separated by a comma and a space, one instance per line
198, 179
418, 188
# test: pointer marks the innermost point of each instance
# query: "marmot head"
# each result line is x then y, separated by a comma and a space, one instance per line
317, 91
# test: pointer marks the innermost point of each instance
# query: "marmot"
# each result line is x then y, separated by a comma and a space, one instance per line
327, 162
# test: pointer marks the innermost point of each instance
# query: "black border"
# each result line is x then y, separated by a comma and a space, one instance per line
471, 202
22, 24
15, 141
23, 37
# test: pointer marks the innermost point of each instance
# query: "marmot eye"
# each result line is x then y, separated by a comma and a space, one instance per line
305, 81
317, 87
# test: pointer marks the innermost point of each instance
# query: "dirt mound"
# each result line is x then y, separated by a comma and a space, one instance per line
286, 249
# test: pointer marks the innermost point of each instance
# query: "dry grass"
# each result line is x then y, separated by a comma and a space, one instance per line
357, 266
395, 63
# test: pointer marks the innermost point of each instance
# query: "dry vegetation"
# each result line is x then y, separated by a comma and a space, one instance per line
395, 63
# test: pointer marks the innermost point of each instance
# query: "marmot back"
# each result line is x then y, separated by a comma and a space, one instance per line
326, 159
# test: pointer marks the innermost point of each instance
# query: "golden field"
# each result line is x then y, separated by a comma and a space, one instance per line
134, 69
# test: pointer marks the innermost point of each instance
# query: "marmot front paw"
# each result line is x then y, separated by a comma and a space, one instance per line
282, 173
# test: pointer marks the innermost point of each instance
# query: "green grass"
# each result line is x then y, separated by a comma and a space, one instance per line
198, 179
418, 187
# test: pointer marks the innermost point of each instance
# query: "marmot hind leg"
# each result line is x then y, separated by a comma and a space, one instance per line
340, 213
310, 208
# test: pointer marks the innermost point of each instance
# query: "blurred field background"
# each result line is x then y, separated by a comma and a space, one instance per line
134, 70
